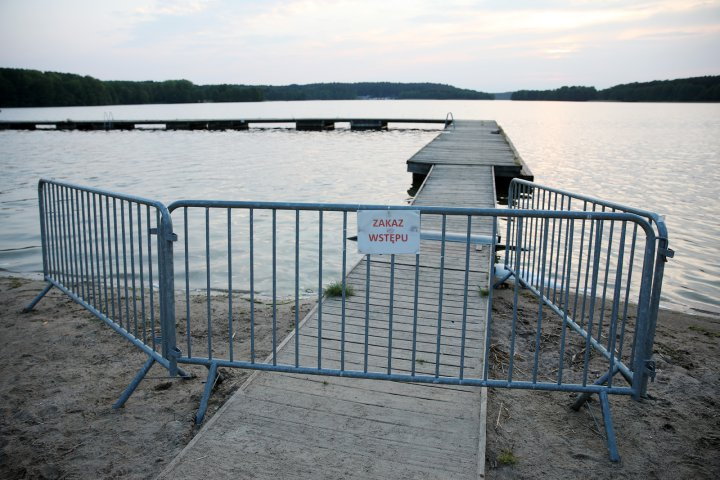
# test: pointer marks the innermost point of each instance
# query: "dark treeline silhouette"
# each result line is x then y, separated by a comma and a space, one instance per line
573, 94
32, 88
697, 89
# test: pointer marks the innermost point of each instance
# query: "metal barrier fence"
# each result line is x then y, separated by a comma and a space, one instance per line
425, 317
607, 280
97, 248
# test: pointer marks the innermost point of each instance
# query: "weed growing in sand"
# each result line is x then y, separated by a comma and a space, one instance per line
704, 331
15, 283
335, 289
507, 457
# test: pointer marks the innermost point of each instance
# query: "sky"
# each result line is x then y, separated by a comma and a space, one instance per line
490, 45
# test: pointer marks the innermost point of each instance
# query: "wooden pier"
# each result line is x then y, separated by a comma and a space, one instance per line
311, 124
301, 426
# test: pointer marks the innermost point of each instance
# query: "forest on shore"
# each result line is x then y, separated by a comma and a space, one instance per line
696, 89
32, 88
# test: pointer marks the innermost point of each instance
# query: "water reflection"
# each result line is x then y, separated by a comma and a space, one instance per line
659, 157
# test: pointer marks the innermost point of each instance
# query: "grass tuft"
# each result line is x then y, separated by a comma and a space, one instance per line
335, 290
507, 457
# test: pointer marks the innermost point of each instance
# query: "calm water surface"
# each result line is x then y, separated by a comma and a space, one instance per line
660, 157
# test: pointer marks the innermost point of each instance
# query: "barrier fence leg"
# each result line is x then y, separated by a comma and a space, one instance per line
39, 297
584, 397
609, 430
209, 384
134, 384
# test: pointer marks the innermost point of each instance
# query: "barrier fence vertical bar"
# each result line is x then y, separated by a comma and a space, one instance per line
545, 267
61, 270
662, 254
274, 286
151, 284
533, 226
367, 312
76, 243
67, 239
530, 224
230, 284
344, 291
188, 338
605, 281
320, 289
143, 312
297, 288
104, 260
110, 257
488, 322
631, 264
43, 229
391, 308
166, 238
415, 313
440, 295
252, 286
88, 246
519, 221
587, 267
561, 362
565, 257
58, 236
66, 271
207, 283
117, 262
647, 312
46, 229
133, 288
541, 302
580, 257
534, 272
125, 273
557, 256
616, 303
100, 292
591, 315
510, 221
465, 295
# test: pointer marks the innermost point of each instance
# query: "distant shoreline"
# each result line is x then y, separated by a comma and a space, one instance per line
22, 88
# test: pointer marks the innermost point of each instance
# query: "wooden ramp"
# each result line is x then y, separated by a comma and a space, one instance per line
303, 426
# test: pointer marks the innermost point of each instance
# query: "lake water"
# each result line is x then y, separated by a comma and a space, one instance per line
660, 157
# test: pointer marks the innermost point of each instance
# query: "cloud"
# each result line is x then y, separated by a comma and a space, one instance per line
170, 7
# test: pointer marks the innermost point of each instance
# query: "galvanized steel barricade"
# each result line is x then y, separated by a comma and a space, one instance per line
98, 248
587, 273
424, 317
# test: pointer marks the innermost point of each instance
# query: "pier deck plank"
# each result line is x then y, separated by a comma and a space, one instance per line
282, 425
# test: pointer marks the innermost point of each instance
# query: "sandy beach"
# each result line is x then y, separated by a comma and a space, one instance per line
672, 434
62, 369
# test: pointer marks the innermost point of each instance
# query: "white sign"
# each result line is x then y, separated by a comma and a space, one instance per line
388, 231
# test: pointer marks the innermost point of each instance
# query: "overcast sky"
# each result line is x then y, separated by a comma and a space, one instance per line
493, 46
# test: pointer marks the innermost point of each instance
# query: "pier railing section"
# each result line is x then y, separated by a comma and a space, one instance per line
425, 317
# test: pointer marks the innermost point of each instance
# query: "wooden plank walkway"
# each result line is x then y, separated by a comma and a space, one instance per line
302, 426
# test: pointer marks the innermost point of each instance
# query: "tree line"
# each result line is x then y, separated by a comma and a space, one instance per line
696, 89
33, 88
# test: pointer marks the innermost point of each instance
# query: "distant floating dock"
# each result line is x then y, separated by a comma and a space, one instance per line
308, 124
